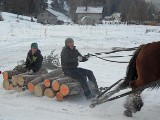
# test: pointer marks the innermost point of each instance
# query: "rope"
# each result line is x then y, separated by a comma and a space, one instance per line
127, 49
107, 59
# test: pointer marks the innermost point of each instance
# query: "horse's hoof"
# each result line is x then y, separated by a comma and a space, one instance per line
127, 113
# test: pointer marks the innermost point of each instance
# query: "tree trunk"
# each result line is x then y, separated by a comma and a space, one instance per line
41, 71
48, 82
42, 78
8, 74
39, 89
74, 88
57, 83
23, 80
49, 93
15, 80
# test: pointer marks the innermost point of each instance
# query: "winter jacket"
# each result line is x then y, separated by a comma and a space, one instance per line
34, 62
69, 58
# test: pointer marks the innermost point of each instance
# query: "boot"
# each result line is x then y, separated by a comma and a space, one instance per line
91, 96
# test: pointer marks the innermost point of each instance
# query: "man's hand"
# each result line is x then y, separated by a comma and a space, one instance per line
80, 58
87, 56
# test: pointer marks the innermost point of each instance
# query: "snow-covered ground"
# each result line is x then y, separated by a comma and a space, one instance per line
15, 40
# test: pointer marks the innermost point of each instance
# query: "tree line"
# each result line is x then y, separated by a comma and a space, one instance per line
132, 10
24, 7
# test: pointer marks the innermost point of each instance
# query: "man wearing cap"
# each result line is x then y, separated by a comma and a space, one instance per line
70, 58
34, 59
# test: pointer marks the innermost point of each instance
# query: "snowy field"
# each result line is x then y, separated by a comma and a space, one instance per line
15, 39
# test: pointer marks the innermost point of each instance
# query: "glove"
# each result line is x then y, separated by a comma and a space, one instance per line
80, 58
87, 56
30, 72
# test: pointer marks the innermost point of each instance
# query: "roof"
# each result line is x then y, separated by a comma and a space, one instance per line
117, 14
59, 15
92, 10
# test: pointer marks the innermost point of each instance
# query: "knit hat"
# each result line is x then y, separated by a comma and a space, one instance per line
34, 45
68, 40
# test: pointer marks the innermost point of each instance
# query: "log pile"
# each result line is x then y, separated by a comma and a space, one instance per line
52, 84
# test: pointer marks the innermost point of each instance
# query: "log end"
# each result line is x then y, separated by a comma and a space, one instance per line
49, 93
38, 91
64, 90
15, 80
55, 85
30, 87
6, 84
20, 80
46, 83
59, 96
5, 75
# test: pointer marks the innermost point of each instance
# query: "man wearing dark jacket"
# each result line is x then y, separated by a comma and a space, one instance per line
34, 59
70, 58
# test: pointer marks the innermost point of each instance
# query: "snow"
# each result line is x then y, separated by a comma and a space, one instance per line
59, 15
15, 41
89, 9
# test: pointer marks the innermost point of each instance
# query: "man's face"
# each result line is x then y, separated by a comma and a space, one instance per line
70, 45
34, 50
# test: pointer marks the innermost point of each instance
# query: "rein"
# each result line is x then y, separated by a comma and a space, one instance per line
107, 59
102, 58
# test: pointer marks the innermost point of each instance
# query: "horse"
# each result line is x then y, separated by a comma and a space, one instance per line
143, 68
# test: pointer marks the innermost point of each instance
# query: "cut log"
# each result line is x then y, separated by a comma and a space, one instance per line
20, 89
70, 89
43, 77
59, 96
41, 71
15, 80
48, 81
39, 89
74, 88
6, 84
8, 74
57, 83
25, 79
49, 93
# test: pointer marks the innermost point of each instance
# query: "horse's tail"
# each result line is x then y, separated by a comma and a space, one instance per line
131, 73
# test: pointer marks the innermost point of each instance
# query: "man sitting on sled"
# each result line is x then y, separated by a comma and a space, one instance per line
69, 60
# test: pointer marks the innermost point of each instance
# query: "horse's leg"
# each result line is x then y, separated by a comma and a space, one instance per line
133, 104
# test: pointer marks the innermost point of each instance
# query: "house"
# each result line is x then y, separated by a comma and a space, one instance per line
116, 16
113, 17
47, 17
50, 16
89, 15
108, 18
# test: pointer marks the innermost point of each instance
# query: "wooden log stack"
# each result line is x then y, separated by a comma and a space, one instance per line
52, 84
